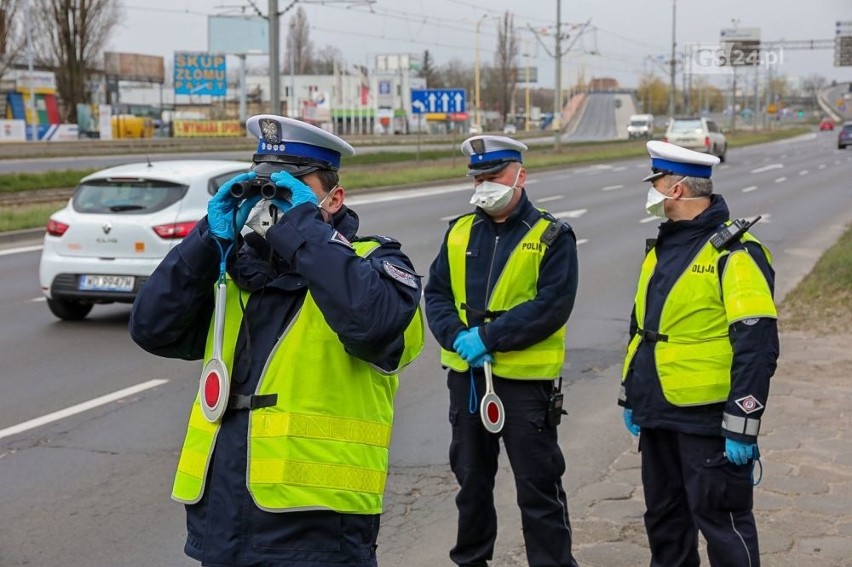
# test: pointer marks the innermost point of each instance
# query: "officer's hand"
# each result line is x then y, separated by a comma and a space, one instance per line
220, 209
740, 453
480, 361
628, 422
469, 345
301, 193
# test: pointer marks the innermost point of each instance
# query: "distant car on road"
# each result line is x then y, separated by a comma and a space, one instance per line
119, 224
699, 134
826, 124
641, 126
510, 129
844, 137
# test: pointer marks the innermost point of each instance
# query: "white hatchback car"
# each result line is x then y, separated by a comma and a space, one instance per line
699, 134
118, 225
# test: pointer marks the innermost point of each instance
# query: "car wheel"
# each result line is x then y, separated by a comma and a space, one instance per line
722, 156
839, 147
69, 310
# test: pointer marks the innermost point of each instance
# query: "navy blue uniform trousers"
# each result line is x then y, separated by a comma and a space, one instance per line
690, 485
537, 465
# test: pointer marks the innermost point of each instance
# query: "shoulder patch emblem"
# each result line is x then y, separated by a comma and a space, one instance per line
399, 274
338, 238
749, 404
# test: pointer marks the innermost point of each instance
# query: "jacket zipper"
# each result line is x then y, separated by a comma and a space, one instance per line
488, 289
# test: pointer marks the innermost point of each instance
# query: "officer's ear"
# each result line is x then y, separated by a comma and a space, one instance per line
334, 199
522, 176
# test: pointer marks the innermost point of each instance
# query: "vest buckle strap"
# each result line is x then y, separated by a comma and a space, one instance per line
479, 314
741, 425
244, 402
652, 336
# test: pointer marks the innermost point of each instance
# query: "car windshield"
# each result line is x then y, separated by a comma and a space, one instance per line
684, 126
638, 123
133, 196
847, 128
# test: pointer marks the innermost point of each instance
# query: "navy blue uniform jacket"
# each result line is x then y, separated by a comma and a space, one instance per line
488, 251
755, 343
367, 308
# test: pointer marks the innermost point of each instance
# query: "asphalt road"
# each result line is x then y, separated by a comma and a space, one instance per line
90, 487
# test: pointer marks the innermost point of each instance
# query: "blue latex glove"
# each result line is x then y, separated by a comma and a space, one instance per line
480, 362
740, 453
628, 422
301, 193
469, 345
220, 209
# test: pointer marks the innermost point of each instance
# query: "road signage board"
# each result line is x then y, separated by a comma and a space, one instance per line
425, 101
200, 74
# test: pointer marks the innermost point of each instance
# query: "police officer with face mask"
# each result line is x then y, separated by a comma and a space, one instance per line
703, 346
303, 327
500, 293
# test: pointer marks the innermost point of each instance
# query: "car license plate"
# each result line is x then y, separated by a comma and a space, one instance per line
107, 283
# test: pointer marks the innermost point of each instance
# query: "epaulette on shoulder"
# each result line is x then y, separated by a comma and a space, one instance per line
381, 239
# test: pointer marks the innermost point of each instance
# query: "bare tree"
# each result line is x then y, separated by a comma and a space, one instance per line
11, 34
429, 72
506, 63
299, 46
70, 36
327, 57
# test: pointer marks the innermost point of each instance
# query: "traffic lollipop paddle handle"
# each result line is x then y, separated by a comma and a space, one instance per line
491, 408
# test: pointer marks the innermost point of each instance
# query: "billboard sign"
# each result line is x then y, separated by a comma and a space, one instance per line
237, 35
200, 74
134, 67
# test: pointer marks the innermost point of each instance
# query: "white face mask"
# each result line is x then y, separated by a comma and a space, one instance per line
655, 203
260, 219
493, 197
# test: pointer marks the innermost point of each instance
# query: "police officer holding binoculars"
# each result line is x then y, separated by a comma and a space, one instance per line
286, 451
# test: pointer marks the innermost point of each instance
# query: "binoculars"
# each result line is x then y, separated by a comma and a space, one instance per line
262, 186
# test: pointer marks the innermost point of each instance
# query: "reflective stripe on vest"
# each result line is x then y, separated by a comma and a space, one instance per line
516, 284
693, 362
324, 445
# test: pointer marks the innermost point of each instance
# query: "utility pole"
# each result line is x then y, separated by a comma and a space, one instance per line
672, 62
274, 46
30, 115
557, 91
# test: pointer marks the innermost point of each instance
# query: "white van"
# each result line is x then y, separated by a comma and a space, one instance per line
641, 126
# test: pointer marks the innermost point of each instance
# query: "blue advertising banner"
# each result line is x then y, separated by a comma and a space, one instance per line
200, 74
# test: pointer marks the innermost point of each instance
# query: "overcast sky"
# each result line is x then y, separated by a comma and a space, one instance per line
625, 36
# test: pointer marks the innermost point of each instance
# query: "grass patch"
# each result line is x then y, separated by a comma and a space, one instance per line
744, 138
12, 182
27, 216
822, 302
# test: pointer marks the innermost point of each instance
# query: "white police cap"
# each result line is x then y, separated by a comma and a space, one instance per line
298, 147
490, 154
669, 159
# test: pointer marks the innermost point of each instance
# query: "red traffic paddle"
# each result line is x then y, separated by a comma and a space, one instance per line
215, 384
491, 408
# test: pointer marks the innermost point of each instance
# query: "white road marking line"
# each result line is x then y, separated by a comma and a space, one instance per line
575, 214
532, 181
582, 241
79, 408
821, 166
749, 189
619, 168
551, 198
612, 187
804, 172
768, 168
780, 179
650, 219
38, 299
20, 250
449, 218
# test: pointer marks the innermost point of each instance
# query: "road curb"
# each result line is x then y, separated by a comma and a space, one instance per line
21, 235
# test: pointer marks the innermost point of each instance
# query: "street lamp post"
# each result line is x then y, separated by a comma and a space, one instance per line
476, 77
672, 62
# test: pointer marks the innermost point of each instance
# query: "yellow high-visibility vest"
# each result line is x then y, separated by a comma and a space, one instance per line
324, 444
694, 354
516, 284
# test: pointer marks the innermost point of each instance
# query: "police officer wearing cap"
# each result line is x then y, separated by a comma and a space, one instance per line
703, 346
285, 462
500, 291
